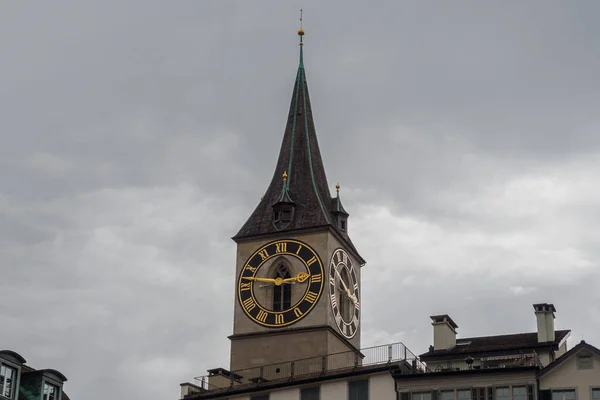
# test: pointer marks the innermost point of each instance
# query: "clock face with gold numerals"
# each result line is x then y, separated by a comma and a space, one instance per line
344, 293
307, 283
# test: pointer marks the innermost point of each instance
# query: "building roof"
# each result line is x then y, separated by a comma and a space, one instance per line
305, 182
580, 346
494, 344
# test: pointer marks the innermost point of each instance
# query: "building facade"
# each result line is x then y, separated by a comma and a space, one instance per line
19, 381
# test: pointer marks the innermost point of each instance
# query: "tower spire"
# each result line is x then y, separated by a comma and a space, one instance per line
301, 200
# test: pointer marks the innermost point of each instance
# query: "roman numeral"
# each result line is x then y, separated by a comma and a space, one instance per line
245, 286
332, 280
299, 248
251, 269
333, 300
339, 256
345, 256
311, 261
355, 287
357, 305
262, 316
297, 311
346, 330
316, 278
338, 320
278, 319
311, 297
249, 304
264, 254
281, 247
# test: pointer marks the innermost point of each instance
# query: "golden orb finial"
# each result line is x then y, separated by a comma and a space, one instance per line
262, 196
337, 187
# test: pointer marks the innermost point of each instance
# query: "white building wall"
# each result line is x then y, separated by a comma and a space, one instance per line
381, 387
567, 376
285, 394
334, 390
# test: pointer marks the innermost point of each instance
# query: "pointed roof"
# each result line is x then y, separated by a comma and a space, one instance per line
300, 159
579, 347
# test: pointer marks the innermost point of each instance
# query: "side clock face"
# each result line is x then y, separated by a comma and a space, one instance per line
344, 293
275, 294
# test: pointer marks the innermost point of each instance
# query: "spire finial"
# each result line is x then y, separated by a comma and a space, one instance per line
284, 176
337, 188
301, 31
262, 196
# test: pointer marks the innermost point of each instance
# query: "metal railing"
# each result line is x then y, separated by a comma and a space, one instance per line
470, 363
395, 353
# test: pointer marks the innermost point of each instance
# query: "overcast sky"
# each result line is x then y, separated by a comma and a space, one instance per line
137, 136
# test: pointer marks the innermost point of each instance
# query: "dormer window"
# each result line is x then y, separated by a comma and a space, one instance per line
283, 214
343, 225
286, 215
8, 376
50, 392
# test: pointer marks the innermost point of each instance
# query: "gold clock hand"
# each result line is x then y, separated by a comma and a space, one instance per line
301, 277
268, 280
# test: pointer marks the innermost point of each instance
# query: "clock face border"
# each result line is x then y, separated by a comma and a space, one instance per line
341, 259
312, 294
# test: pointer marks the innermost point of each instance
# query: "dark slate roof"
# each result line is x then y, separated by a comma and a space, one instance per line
494, 344
580, 346
300, 158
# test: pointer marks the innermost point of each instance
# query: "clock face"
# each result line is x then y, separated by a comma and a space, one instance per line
280, 283
344, 293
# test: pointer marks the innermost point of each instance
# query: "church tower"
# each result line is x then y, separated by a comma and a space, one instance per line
297, 271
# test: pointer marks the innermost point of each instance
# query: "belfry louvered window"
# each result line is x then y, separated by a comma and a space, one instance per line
282, 294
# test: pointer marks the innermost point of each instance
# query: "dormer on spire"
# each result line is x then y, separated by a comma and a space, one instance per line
283, 209
339, 213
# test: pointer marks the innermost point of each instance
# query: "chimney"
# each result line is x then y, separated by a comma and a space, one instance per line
544, 314
444, 332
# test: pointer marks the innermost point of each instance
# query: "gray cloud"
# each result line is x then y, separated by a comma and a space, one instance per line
138, 137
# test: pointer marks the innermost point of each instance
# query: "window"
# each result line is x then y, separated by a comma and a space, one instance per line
343, 225
584, 361
563, 395
358, 390
519, 393
7, 381
502, 393
596, 394
447, 395
50, 392
313, 393
421, 396
260, 397
464, 394
478, 393
282, 294
286, 215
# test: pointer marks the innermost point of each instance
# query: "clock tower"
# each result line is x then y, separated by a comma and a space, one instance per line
297, 283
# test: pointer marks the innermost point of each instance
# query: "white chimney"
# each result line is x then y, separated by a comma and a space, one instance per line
444, 332
544, 314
